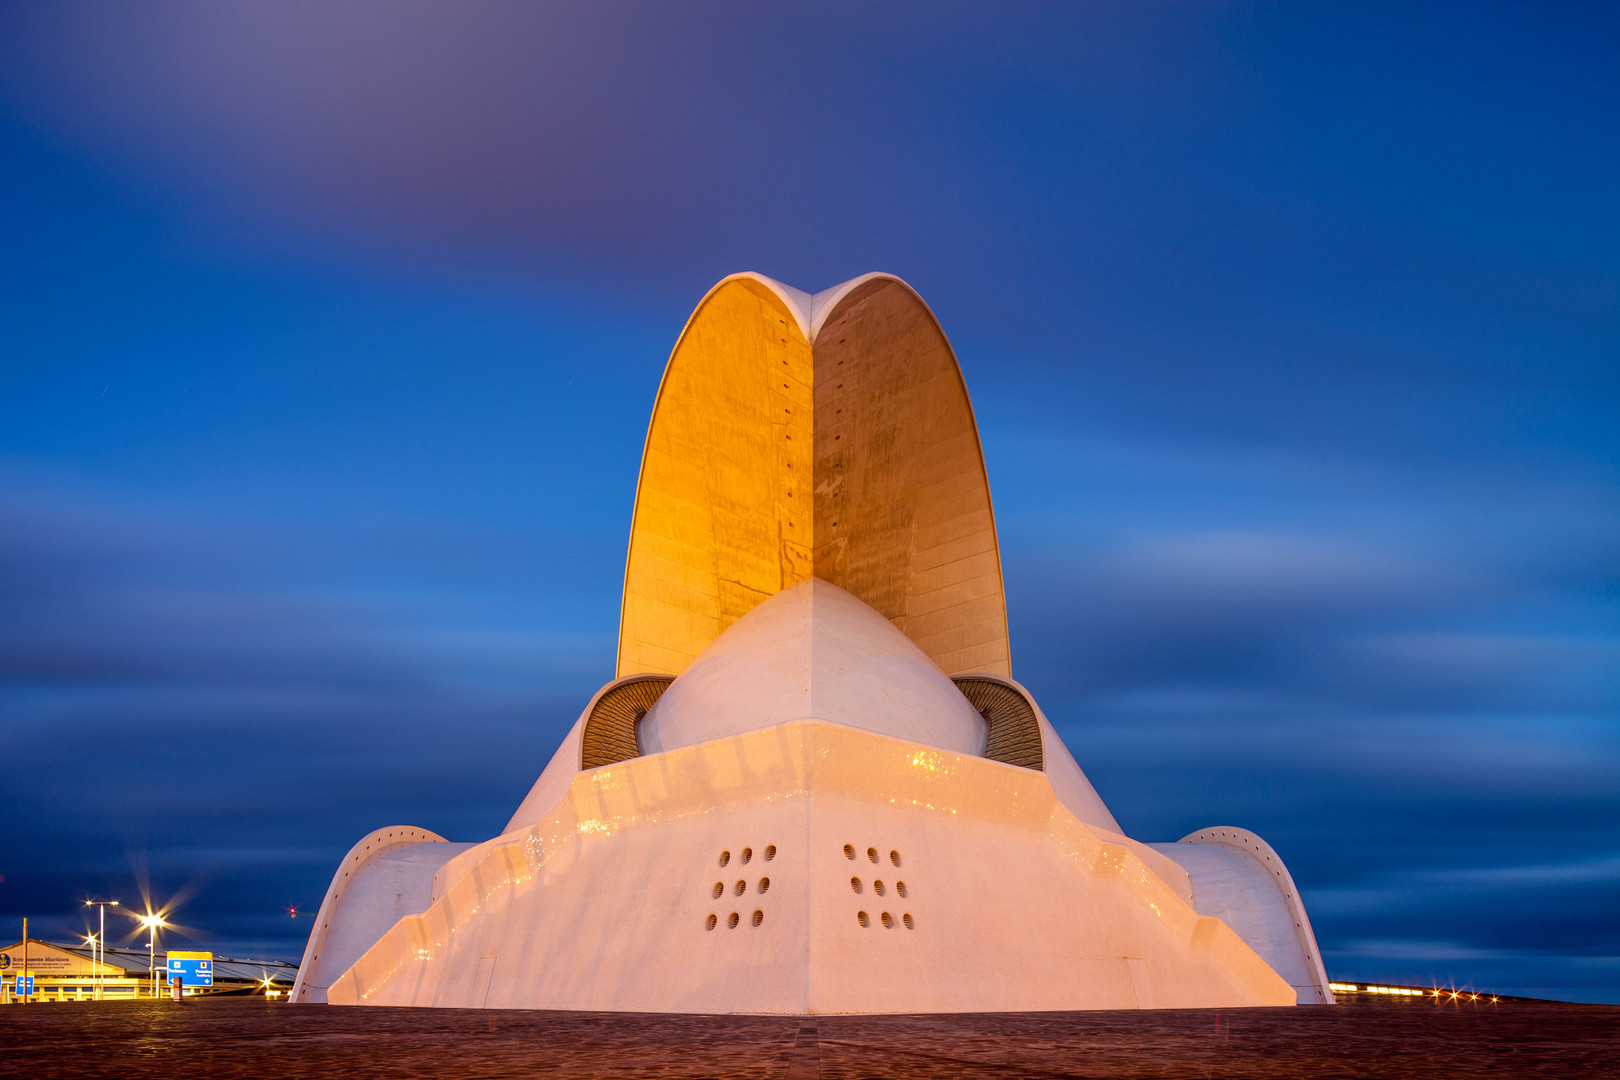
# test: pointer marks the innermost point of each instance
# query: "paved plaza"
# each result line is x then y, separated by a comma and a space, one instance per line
252, 1037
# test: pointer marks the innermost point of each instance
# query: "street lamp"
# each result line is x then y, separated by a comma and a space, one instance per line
152, 921
100, 942
95, 983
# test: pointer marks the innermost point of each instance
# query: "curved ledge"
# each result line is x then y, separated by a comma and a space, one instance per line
1013, 734
1261, 852
609, 733
370, 845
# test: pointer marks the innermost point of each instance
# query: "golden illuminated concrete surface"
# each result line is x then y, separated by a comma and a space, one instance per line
814, 787
827, 436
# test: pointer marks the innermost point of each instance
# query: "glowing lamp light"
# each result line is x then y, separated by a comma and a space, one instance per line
152, 922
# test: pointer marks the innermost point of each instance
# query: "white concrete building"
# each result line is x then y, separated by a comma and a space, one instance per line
814, 786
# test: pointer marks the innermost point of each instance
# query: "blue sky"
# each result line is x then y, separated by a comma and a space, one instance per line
329, 333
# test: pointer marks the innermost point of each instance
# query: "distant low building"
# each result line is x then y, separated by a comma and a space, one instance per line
70, 973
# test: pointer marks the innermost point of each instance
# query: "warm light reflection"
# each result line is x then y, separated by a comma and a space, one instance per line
1408, 991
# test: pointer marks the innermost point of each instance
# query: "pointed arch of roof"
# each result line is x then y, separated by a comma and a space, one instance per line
730, 510
962, 623
809, 310
684, 582
826, 303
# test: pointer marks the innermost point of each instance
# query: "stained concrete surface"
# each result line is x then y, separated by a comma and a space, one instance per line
252, 1037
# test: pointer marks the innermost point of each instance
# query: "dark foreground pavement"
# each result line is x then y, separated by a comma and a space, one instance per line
263, 1040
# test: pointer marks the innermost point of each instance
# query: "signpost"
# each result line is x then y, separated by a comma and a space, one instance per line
191, 968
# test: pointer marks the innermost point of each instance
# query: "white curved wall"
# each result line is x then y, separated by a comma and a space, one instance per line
384, 877
980, 893
1238, 878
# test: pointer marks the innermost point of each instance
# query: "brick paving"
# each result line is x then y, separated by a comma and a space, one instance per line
252, 1037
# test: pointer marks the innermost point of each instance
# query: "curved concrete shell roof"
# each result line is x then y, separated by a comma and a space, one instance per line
798, 436
784, 804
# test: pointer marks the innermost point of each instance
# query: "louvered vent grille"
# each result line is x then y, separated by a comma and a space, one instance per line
1015, 734
610, 730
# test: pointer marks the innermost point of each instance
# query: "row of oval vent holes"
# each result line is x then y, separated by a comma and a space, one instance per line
866, 920
742, 887
877, 887
747, 855
871, 855
759, 916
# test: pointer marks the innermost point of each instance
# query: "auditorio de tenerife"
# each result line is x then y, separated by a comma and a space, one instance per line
814, 786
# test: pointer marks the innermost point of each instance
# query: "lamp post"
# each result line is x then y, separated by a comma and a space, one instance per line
95, 985
100, 943
151, 920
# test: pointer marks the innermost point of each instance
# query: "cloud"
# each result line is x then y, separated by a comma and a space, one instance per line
166, 708
1302, 446
1097, 163
76, 630
1410, 699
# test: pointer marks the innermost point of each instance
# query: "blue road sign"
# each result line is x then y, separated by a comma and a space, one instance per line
29, 988
191, 969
